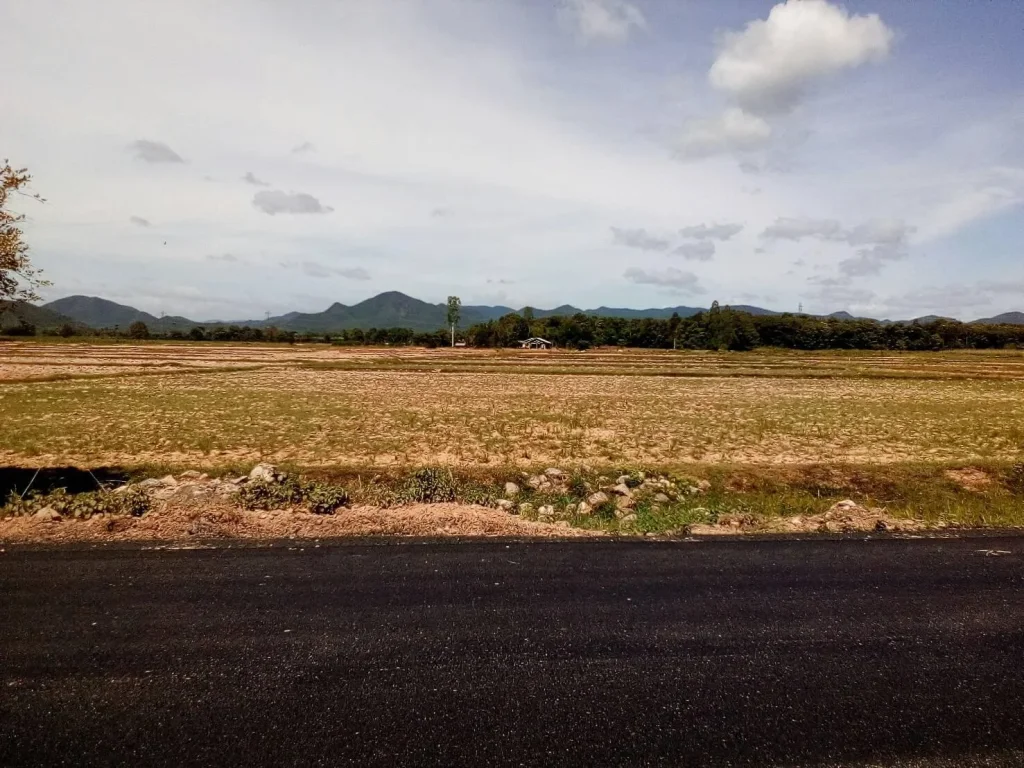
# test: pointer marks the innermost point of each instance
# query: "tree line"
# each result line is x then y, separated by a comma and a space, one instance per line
719, 328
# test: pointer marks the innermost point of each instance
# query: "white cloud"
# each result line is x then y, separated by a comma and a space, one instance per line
154, 152
798, 228
870, 261
711, 232
605, 21
767, 67
638, 238
249, 178
891, 232
702, 250
303, 148
673, 279
732, 131
139, 221
319, 270
273, 201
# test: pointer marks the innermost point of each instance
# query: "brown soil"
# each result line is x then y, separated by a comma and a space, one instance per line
179, 520
969, 478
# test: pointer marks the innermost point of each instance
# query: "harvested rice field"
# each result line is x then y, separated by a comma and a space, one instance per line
320, 406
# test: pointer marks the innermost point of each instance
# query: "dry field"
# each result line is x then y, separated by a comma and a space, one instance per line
319, 406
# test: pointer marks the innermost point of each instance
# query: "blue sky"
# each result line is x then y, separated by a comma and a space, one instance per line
230, 159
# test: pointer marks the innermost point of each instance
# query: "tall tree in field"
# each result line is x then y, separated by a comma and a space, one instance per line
18, 278
454, 313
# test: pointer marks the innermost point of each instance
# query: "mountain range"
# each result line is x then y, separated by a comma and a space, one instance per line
386, 310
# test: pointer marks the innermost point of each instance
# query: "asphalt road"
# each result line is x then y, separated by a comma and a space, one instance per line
894, 653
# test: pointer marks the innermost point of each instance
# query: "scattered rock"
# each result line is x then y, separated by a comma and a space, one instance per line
554, 473
265, 472
546, 511
46, 515
627, 519
622, 490
168, 480
537, 482
525, 508
661, 498
191, 474
149, 482
597, 499
704, 486
583, 508
511, 490
506, 505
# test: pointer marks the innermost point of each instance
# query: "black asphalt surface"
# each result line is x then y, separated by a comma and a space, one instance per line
852, 652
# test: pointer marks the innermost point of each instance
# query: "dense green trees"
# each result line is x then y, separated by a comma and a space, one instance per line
717, 328
727, 329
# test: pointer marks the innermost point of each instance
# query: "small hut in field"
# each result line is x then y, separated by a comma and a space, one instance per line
536, 342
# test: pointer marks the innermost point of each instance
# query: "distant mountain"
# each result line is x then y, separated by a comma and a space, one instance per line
13, 313
102, 313
386, 310
1008, 318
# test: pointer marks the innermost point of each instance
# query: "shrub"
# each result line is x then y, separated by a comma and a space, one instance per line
320, 498
262, 494
324, 499
132, 501
430, 485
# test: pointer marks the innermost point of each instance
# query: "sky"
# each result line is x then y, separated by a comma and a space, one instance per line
231, 159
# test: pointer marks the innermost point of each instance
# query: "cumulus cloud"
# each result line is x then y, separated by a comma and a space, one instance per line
766, 69
139, 221
799, 228
318, 270
732, 131
702, 250
768, 66
602, 21
273, 201
712, 232
302, 148
674, 279
249, 178
638, 238
154, 152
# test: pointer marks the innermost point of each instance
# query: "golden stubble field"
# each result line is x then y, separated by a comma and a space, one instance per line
321, 406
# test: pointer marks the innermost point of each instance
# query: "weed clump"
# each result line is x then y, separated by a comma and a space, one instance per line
431, 485
320, 498
132, 502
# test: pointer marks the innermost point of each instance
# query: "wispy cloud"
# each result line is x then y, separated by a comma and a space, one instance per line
319, 270
249, 178
139, 221
154, 152
601, 21
672, 279
712, 231
275, 201
638, 238
702, 250
302, 148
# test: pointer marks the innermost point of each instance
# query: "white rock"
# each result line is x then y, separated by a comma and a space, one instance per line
622, 490
554, 472
583, 508
46, 515
506, 505
661, 498
266, 472
168, 480
191, 474
596, 499
546, 511
628, 519
511, 490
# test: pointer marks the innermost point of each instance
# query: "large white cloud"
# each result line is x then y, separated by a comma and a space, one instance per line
767, 67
